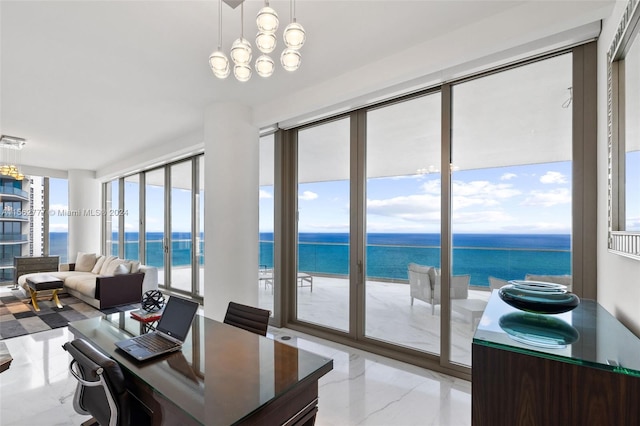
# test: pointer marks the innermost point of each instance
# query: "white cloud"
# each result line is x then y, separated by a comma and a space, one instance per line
58, 207
508, 176
481, 216
58, 227
264, 194
325, 227
553, 177
548, 199
539, 227
308, 196
422, 207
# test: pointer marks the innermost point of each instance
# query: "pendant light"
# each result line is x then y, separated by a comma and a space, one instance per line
218, 61
241, 53
294, 35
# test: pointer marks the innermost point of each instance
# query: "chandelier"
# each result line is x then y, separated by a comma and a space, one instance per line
10, 148
266, 40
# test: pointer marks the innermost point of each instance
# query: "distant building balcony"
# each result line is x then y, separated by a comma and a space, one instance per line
14, 215
9, 192
13, 239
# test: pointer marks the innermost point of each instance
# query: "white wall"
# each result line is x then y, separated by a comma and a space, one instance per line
84, 198
618, 277
231, 208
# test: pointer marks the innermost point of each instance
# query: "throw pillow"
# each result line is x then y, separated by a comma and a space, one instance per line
135, 266
85, 262
110, 271
98, 265
121, 269
106, 263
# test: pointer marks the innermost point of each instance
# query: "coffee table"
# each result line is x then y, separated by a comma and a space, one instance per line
472, 309
42, 282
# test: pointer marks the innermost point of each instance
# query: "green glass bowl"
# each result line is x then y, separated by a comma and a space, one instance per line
540, 302
542, 331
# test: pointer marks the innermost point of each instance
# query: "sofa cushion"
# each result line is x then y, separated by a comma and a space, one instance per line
99, 262
106, 263
85, 262
111, 267
83, 283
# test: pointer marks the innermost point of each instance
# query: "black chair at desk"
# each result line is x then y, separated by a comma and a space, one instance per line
252, 319
101, 390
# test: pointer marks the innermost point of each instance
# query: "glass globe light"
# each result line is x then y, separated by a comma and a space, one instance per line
267, 20
241, 52
219, 64
242, 72
294, 36
290, 59
20, 176
265, 66
4, 170
266, 42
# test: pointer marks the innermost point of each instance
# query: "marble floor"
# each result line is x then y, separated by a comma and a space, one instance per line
362, 389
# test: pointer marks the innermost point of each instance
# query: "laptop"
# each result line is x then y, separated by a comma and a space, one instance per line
170, 332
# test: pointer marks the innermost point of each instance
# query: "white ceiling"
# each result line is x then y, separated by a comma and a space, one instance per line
89, 83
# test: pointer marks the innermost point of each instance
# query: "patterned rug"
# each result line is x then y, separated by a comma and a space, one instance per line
17, 317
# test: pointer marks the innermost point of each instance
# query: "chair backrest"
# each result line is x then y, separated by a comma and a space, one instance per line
460, 286
496, 283
419, 275
101, 389
253, 319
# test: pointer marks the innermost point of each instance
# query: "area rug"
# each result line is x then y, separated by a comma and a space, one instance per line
18, 318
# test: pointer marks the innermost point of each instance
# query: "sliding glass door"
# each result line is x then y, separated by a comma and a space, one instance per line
511, 186
403, 223
322, 280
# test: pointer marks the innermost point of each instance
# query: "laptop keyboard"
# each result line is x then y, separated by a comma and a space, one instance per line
155, 343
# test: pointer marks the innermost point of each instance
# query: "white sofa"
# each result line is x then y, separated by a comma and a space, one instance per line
103, 281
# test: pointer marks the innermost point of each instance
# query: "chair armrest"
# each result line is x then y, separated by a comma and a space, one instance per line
119, 289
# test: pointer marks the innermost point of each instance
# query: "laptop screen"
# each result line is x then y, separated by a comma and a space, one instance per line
177, 317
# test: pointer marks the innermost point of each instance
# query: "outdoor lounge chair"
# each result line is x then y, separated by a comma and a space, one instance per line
424, 284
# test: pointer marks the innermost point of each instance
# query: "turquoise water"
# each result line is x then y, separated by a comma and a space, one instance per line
479, 255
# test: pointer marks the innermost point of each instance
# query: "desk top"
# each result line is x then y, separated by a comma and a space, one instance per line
222, 374
591, 335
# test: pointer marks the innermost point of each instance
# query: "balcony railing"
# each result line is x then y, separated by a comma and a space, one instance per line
12, 214
9, 190
389, 262
13, 238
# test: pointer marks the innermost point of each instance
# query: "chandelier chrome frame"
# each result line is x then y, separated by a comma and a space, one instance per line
241, 54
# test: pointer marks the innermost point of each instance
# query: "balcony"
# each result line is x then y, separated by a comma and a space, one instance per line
13, 239
14, 215
10, 193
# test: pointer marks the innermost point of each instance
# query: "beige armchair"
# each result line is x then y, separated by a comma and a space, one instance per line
424, 284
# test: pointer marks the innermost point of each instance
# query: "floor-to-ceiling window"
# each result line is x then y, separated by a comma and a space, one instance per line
511, 184
431, 197
132, 217
180, 226
403, 222
58, 222
323, 224
266, 277
163, 225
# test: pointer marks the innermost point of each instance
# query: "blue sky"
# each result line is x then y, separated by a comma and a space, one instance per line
516, 199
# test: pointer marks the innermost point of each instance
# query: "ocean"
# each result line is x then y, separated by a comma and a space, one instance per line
506, 256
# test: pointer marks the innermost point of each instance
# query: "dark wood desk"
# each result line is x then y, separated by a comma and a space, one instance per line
222, 376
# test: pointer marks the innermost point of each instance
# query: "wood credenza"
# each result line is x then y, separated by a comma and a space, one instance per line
29, 264
594, 380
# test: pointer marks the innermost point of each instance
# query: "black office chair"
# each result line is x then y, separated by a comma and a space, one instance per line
101, 390
249, 318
